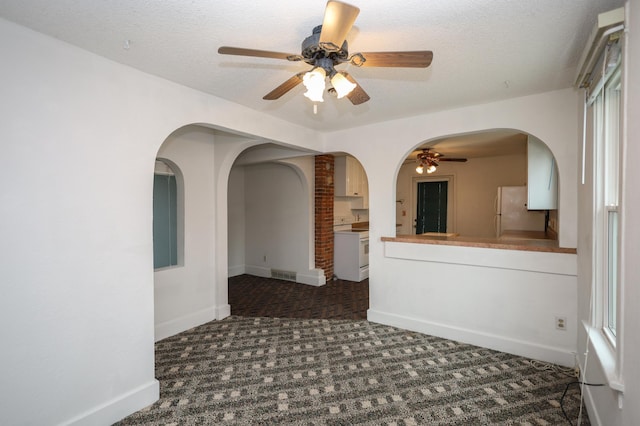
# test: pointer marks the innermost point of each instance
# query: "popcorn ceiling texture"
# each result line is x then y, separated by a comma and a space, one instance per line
477, 45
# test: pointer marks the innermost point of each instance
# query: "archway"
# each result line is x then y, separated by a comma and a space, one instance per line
485, 163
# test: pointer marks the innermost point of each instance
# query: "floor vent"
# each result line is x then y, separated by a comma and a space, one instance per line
283, 275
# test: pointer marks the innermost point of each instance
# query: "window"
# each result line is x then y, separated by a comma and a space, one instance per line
165, 217
610, 184
606, 115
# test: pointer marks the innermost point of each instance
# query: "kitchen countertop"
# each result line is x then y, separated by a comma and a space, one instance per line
512, 240
360, 225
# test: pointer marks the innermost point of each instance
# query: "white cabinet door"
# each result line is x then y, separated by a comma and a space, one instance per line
353, 178
348, 177
542, 173
351, 181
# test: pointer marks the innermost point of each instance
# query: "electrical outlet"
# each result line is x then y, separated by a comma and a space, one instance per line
561, 323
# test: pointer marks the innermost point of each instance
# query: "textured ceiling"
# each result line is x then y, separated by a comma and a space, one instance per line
484, 50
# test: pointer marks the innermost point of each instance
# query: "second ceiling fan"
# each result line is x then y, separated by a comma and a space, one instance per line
428, 160
327, 48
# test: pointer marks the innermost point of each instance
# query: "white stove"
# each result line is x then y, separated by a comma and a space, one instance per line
351, 254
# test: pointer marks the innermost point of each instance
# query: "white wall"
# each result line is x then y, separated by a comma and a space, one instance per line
237, 234
79, 139
400, 291
475, 183
630, 274
184, 295
278, 224
502, 299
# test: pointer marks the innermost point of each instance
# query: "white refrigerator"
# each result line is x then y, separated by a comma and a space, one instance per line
512, 213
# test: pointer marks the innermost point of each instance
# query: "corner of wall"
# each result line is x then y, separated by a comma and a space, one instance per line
185, 322
120, 407
314, 277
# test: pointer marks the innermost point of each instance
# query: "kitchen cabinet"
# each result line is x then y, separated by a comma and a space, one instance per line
350, 180
542, 176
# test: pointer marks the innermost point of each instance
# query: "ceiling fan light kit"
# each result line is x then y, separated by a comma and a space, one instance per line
327, 48
314, 82
342, 85
429, 160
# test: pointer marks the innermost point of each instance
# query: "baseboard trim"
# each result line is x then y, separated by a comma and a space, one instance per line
120, 407
314, 277
236, 270
223, 311
499, 343
258, 271
178, 325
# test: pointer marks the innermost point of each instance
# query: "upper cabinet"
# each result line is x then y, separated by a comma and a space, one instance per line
351, 179
542, 179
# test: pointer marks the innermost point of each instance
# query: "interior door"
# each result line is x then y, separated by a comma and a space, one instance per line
431, 214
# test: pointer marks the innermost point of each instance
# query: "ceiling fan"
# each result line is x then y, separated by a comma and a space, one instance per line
327, 48
428, 160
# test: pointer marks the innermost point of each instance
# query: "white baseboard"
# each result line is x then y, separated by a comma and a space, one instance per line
258, 271
499, 343
236, 270
314, 277
120, 407
223, 311
178, 325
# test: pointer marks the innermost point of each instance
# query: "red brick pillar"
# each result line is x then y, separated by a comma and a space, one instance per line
324, 214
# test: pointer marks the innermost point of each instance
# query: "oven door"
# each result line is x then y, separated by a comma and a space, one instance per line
364, 252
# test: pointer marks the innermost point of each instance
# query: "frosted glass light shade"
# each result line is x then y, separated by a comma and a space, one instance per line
342, 85
315, 84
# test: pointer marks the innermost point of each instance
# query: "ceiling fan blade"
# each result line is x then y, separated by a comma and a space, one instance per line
415, 59
358, 95
284, 87
226, 50
338, 20
460, 160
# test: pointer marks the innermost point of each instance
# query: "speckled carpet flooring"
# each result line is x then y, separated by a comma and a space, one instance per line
282, 371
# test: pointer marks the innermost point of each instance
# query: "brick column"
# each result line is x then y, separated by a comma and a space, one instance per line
324, 214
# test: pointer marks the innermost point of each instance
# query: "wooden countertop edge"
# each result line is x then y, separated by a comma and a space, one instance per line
530, 245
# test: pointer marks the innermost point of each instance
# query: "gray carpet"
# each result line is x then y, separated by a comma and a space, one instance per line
269, 371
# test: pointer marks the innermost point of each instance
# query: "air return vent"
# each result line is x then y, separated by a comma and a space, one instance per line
283, 275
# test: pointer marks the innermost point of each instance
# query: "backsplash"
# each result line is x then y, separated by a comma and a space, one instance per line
344, 214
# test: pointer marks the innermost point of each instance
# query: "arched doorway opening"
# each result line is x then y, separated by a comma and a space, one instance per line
278, 208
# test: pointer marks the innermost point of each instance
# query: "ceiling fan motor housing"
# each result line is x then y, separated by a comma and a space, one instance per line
312, 51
